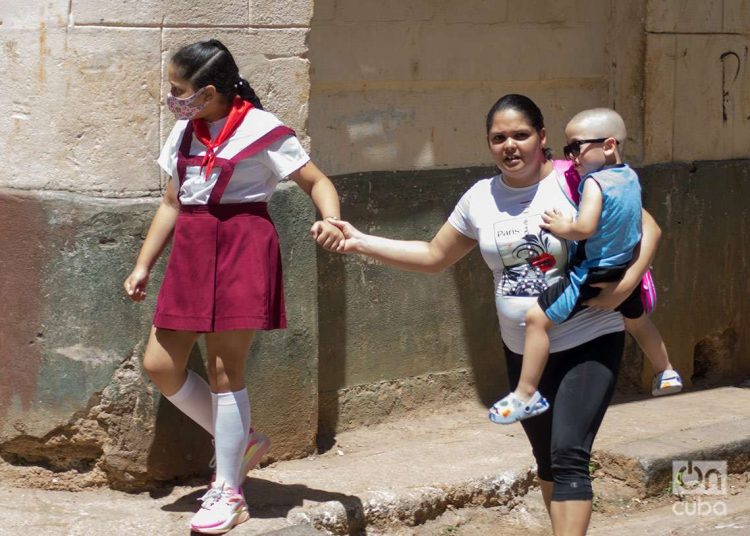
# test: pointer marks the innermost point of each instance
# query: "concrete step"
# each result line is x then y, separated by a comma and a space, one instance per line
646, 464
405, 472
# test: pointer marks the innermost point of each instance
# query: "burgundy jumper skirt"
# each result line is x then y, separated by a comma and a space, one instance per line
224, 271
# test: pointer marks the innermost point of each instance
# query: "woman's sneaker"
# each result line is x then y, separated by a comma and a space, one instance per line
666, 382
222, 509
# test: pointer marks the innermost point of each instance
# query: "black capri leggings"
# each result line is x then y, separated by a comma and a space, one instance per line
578, 384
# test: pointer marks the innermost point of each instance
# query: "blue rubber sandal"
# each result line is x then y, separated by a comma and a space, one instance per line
512, 409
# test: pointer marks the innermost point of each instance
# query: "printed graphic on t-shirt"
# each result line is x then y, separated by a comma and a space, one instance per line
531, 256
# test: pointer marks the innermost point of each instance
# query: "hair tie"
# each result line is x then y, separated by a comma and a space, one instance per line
239, 83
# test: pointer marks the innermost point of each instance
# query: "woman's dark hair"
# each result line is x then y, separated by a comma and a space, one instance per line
523, 105
210, 63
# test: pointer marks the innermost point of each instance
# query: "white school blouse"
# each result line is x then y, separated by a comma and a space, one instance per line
254, 178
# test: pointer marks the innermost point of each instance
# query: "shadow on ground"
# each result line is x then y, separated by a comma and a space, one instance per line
266, 499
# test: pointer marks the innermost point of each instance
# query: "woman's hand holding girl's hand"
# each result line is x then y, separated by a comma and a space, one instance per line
135, 284
327, 235
353, 237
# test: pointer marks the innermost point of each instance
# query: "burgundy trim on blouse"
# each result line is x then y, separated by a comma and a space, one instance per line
184, 159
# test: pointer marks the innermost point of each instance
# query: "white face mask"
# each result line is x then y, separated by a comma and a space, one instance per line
186, 108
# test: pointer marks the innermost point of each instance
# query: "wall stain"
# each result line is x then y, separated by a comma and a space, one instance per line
11, 50
43, 50
23, 233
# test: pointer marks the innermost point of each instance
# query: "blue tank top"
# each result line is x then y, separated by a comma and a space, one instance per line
619, 229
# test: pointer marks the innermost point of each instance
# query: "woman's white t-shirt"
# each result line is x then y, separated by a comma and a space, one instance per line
254, 178
523, 258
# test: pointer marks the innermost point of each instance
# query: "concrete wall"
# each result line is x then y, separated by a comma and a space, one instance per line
406, 86
697, 104
83, 119
701, 270
401, 341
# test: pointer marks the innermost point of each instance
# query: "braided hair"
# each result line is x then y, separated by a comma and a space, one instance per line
210, 63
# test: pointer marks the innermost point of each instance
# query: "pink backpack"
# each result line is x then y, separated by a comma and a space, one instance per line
569, 184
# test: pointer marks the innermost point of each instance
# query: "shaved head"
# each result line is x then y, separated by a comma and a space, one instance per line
598, 123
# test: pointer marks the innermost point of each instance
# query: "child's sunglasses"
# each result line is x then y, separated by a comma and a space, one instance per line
573, 149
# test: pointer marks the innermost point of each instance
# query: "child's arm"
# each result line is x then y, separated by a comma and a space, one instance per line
589, 212
323, 194
158, 234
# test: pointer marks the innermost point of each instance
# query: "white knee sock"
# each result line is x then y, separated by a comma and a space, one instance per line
232, 424
194, 400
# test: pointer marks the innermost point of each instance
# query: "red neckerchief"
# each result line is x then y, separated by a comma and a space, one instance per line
237, 113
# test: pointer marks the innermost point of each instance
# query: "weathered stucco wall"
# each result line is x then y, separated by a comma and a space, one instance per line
701, 269
73, 395
83, 118
405, 340
697, 99
400, 340
406, 86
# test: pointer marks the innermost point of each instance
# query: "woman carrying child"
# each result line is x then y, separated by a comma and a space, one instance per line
502, 215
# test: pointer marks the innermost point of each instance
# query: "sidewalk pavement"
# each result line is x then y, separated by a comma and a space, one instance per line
407, 471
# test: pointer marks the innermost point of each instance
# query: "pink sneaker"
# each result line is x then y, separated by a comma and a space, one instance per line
222, 508
257, 446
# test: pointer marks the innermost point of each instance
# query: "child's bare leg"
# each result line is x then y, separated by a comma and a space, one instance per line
535, 352
649, 339
166, 356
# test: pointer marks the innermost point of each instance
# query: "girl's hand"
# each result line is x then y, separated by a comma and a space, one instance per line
353, 237
327, 235
135, 284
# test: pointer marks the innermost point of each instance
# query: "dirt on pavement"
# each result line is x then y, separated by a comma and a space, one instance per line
617, 512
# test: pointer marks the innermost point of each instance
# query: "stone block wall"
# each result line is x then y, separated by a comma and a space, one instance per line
83, 119
84, 108
406, 85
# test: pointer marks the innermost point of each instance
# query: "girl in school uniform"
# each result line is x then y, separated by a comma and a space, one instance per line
225, 156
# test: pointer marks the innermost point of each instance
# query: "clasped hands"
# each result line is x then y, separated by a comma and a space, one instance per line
336, 235
327, 235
